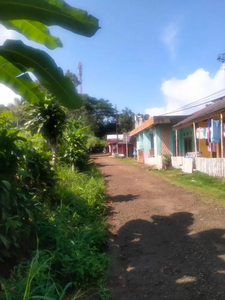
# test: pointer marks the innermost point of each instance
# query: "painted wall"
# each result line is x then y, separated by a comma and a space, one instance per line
202, 143
144, 143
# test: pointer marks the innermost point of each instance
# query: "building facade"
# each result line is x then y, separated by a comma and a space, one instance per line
156, 138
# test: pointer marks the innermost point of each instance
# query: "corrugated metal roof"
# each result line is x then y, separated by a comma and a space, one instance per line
203, 114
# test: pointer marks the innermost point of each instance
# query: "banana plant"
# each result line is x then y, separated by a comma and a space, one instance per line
32, 18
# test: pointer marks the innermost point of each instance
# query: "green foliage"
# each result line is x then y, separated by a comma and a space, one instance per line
209, 186
126, 120
73, 78
48, 118
99, 114
74, 150
167, 160
17, 59
94, 141
72, 243
22, 84
45, 70
32, 280
26, 177
50, 12
34, 31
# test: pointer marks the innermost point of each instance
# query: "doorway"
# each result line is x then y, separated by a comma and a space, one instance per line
188, 145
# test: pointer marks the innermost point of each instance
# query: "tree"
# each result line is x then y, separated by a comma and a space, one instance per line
221, 58
48, 118
17, 110
126, 120
31, 18
73, 77
99, 114
75, 149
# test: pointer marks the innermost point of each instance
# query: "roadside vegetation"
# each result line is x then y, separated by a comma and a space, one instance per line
53, 233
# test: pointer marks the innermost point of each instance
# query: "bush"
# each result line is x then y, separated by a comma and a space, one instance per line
26, 180
63, 208
76, 229
72, 239
74, 148
167, 161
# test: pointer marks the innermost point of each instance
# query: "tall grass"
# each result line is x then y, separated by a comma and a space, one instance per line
72, 243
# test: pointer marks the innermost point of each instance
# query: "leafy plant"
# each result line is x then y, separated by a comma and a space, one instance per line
74, 149
48, 118
33, 280
31, 18
167, 160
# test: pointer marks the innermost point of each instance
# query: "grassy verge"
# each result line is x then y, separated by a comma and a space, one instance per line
72, 239
211, 187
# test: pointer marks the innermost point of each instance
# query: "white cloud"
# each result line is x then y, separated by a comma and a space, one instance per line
169, 39
179, 92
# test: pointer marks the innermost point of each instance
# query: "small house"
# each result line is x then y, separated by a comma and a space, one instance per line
195, 132
156, 138
124, 142
200, 139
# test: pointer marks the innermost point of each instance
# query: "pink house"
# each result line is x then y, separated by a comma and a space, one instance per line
122, 147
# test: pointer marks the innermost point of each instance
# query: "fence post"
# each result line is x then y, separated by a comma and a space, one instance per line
221, 124
195, 139
176, 144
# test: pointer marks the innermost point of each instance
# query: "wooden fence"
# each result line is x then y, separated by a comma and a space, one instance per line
211, 166
186, 164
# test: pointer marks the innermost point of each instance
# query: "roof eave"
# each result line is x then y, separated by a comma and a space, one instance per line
210, 115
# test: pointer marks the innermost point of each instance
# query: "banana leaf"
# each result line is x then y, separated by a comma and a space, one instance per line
34, 31
45, 70
20, 83
50, 12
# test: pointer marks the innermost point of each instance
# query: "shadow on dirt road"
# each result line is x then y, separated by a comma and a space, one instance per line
159, 259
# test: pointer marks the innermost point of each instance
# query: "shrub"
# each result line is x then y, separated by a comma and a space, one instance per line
74, 149
167, 160
76, 232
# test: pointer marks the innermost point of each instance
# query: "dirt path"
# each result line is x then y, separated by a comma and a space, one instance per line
166, 243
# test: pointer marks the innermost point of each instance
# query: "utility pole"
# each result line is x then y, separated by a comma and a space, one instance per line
127, 145
117, 143
80, 74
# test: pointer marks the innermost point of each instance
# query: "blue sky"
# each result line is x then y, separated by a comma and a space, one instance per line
148, 53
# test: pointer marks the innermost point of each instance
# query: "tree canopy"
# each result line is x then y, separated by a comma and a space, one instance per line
126, 120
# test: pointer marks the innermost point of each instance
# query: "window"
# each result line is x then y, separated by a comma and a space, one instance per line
152, 146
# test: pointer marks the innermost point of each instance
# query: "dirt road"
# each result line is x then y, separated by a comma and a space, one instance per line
166, 243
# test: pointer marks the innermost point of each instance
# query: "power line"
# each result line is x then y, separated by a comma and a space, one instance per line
197, 103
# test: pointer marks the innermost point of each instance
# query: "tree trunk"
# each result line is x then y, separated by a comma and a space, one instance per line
54, 157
